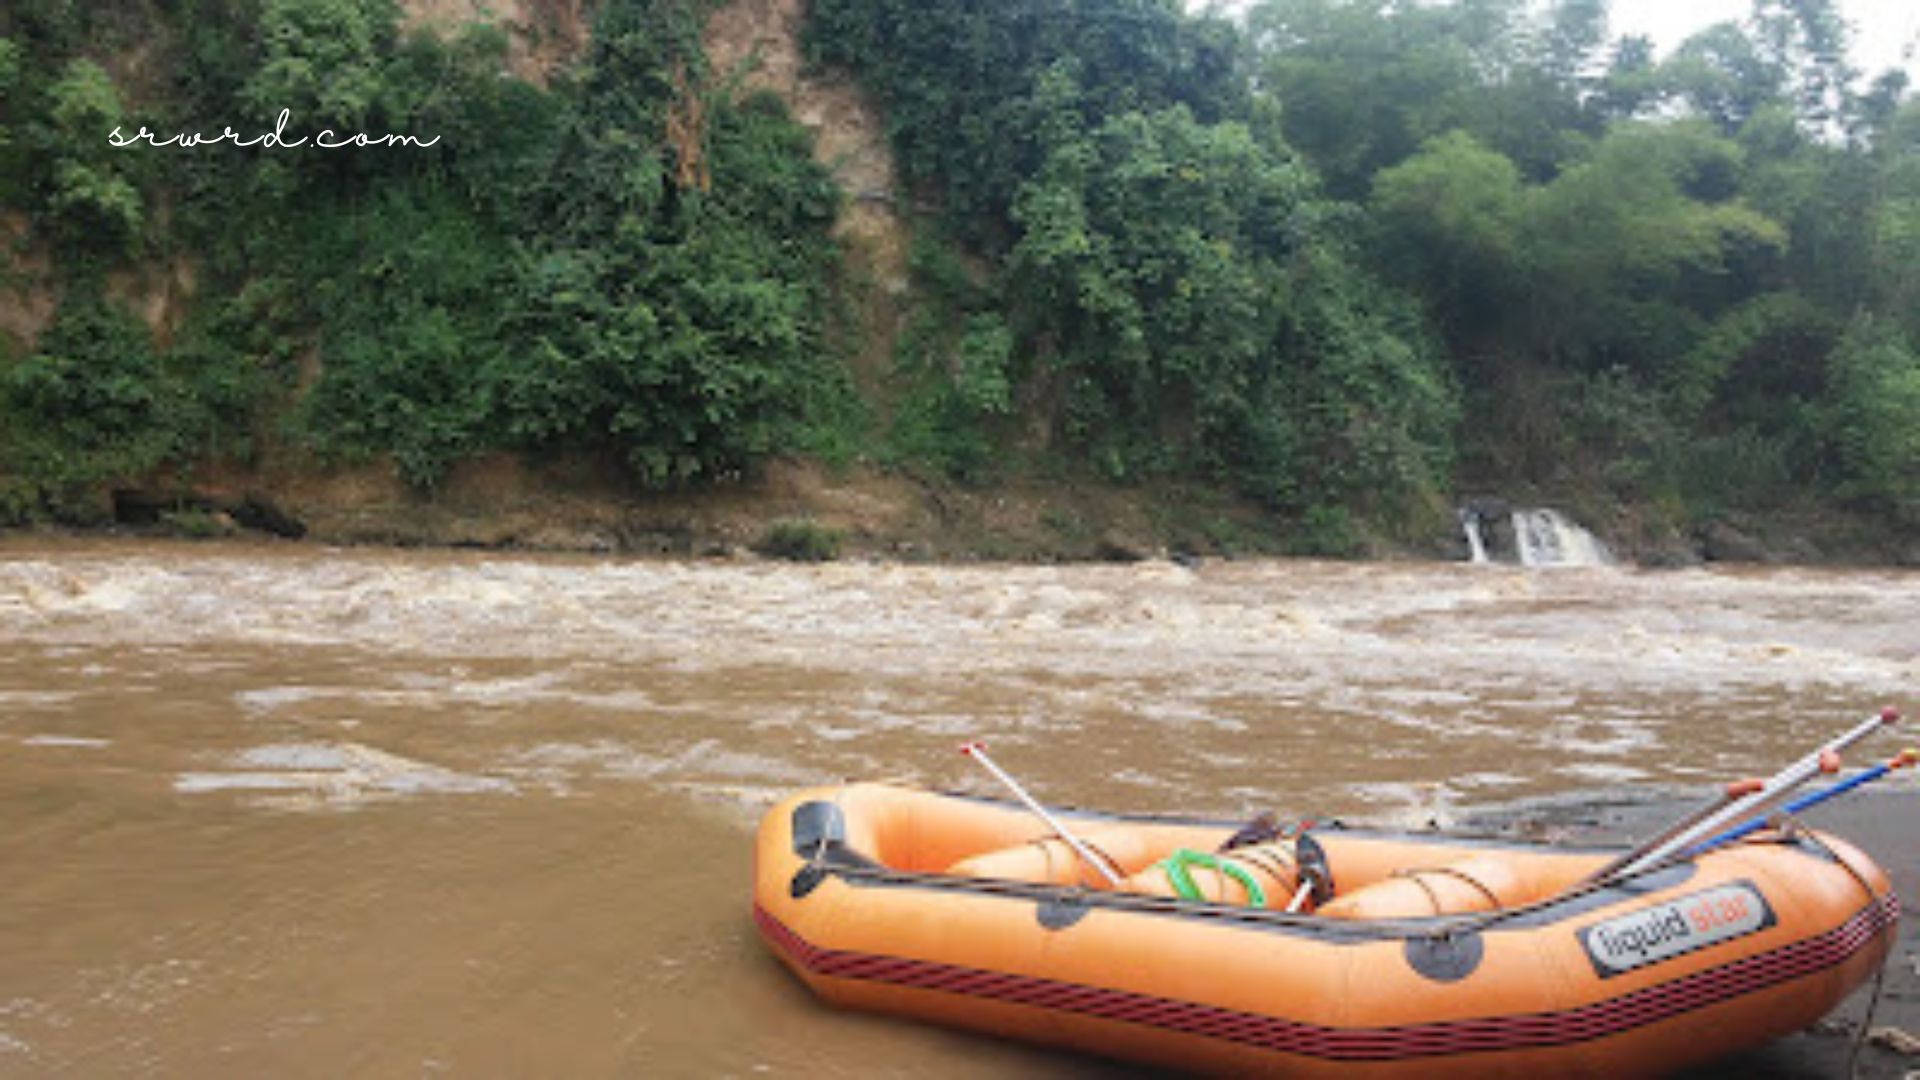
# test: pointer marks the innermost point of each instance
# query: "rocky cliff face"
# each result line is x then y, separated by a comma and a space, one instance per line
752, 44
497, 500
758, 42
27, 303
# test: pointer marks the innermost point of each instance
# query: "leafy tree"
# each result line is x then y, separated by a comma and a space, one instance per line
1626, 249
1364, 83
1721, 75
89, 199
1450, 223
1894, 220
1875, 416
1633, 83
323, 60
677, 325
960, 81
1198, 318
97, 402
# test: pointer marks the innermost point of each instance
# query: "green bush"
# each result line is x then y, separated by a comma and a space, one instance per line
1875, 416
685, 329
1326, 532
799, 541
954, 362
90, 200
196, 524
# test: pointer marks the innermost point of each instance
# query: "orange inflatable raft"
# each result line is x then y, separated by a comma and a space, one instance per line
1411, 955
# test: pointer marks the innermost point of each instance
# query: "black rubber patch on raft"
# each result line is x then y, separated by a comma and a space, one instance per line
1060, 912
1446, 959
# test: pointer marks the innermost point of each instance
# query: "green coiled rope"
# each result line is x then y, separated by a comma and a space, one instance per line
1179, 876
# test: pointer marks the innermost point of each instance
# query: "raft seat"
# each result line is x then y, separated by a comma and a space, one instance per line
1051, 861
1488, 882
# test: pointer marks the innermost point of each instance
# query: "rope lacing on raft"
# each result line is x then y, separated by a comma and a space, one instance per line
1453, 872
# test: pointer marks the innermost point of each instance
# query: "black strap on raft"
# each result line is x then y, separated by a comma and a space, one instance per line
1315, 871
1265, 826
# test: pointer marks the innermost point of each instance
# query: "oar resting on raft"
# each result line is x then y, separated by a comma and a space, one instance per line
978, 752
1741, 800
1901, 760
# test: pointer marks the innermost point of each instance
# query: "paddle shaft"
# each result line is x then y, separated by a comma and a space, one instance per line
1812, 799
1782, 782
1733, 792
978, 752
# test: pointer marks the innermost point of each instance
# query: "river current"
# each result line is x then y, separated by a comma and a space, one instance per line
287, 810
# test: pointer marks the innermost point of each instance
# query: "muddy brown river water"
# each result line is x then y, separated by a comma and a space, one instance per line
291, 811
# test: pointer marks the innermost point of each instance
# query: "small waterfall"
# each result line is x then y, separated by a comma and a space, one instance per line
1543, 538
1496, 531
1476, 544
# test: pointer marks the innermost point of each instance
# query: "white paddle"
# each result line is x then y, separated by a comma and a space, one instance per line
978, 752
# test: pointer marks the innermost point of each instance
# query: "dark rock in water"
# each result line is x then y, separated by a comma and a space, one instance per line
141, 507
1114, 547
1721, 542
1487, 507
148, 508
255, 511
1666, 548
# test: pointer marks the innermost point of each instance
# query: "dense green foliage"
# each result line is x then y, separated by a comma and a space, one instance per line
1345, 258
953, 366
1667, 277
963, 83
1177, 296
545, 277
1199, 316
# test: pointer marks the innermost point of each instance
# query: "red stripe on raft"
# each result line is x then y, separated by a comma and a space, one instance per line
1440, 1039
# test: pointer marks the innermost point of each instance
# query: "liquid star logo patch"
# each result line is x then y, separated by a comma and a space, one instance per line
1675, 928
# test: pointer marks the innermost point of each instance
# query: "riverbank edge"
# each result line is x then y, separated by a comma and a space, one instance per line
801, 509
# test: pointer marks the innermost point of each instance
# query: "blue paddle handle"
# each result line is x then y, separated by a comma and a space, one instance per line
1794, 807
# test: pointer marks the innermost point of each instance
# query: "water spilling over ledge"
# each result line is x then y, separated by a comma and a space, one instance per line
1535, 537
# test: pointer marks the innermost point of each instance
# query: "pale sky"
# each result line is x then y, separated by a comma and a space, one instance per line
1886, 33
1883, 30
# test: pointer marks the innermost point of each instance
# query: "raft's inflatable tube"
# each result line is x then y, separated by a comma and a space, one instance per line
1421, 955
